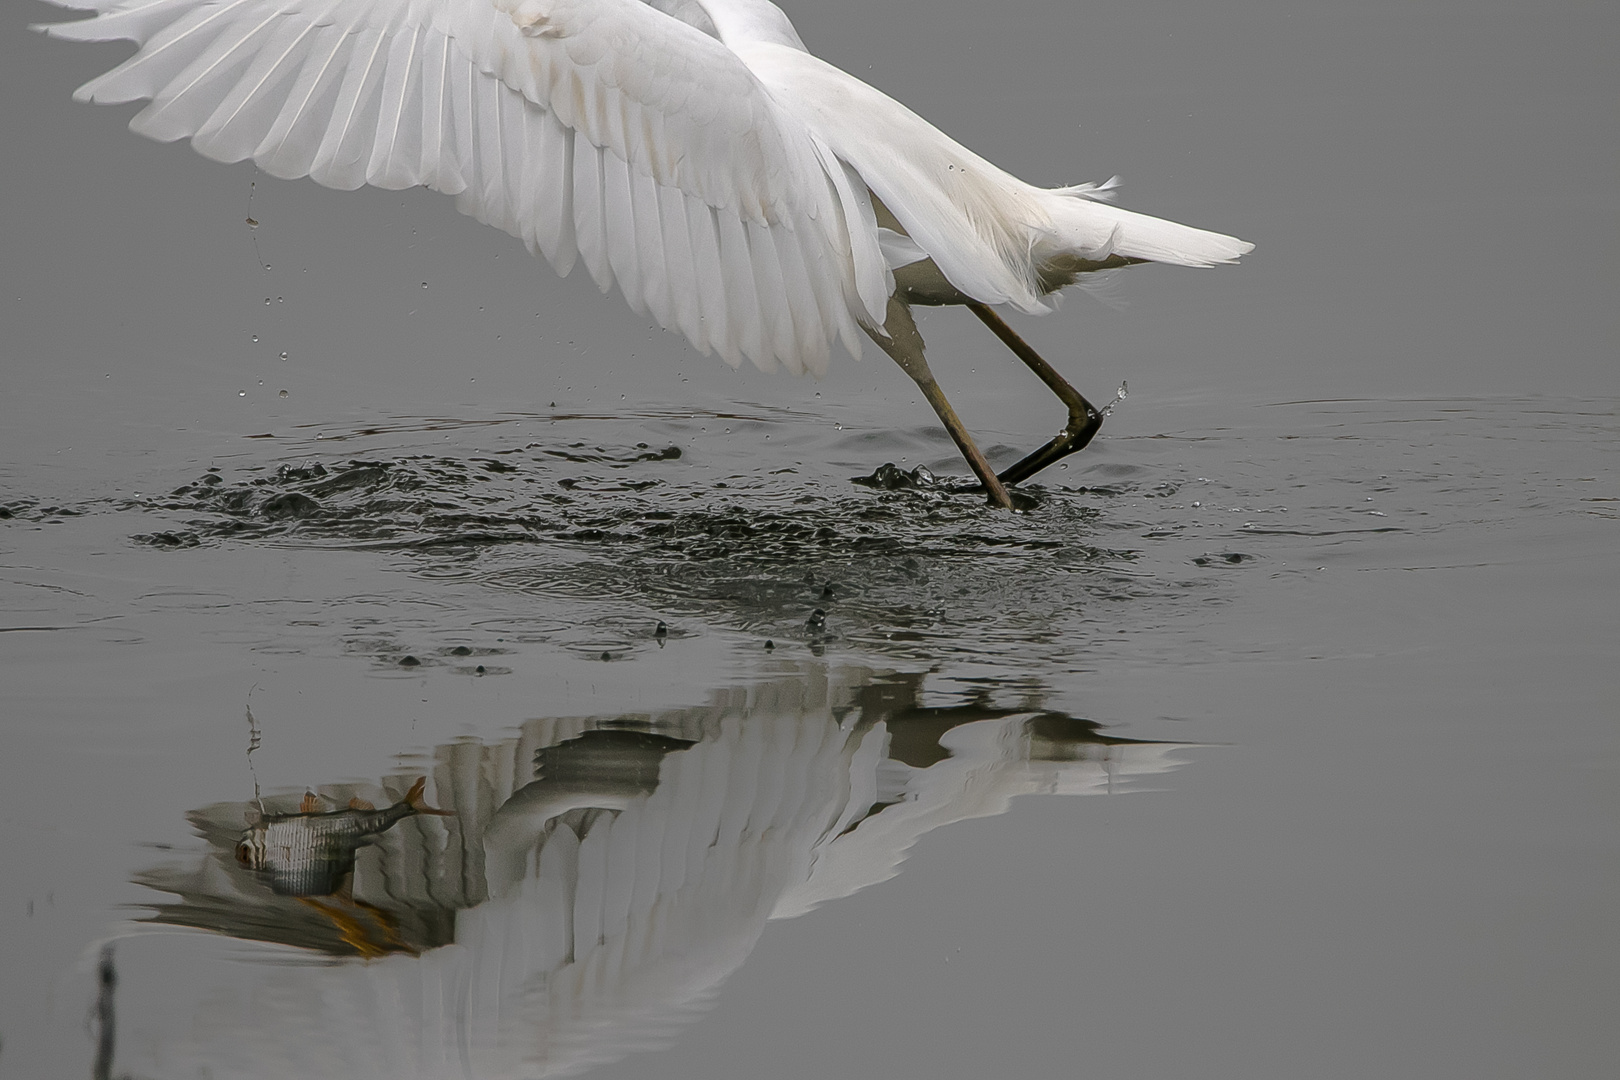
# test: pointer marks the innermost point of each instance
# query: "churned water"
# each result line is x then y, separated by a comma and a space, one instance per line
758, 729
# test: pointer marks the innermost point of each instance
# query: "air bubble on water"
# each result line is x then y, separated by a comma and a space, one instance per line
267, 301
1196, 503
280, 300
241, 393
424, 284
255, 337
284, 354
281, 393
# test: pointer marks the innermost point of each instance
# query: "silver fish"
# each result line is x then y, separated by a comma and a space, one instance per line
310, 853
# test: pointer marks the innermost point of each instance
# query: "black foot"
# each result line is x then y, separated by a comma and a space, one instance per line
1084, 423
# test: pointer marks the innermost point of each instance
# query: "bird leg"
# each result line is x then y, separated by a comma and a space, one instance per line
905, 345
1084, 418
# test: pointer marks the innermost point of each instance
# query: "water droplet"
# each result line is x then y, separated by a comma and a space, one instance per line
241, 393
281, 393
284, 355
267, 301
255, 337
279, 300
424, 284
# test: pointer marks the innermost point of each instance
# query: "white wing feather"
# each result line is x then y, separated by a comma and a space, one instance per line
602, 130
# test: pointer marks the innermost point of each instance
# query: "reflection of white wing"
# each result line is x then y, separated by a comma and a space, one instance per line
599, 129
620, 924
988, 766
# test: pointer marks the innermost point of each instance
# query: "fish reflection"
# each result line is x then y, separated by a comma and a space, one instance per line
603, 876
311, 853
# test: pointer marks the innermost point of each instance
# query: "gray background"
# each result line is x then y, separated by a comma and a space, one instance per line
1397, 855
1429, 185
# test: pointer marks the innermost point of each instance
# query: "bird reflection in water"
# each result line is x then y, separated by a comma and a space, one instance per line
602, 876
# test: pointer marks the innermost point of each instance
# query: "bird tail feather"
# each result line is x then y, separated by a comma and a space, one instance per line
1096, 230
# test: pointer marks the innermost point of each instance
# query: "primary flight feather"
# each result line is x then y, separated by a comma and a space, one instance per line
735, 187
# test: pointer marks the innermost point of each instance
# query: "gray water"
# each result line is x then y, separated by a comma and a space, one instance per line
1326, 617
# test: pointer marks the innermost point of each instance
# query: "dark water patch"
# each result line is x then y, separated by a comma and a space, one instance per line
604, 536
1224, 558
912, 564
169, 538
31, 510
618, 459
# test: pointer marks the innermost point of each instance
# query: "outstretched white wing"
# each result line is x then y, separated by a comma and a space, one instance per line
599, 129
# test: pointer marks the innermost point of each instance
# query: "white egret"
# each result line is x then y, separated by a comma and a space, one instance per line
737, 188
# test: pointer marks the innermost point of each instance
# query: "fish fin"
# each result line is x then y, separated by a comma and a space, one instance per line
357, 803
310, 804
414, 797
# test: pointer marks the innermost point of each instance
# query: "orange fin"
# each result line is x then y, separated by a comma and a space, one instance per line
357, 803
310, 804
414, 797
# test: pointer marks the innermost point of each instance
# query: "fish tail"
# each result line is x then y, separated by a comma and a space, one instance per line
419, 804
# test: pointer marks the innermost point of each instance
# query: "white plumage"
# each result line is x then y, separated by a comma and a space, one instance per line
690, 150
